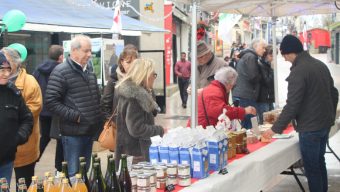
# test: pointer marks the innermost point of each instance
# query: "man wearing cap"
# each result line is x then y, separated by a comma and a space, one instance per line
16, 120
208, 64
311, 105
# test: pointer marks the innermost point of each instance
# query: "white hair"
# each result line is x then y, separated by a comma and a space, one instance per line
226, 75
75, 42
257, 42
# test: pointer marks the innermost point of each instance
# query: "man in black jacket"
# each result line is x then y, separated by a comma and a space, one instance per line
42, 74
73, 95
311, 104
16, 120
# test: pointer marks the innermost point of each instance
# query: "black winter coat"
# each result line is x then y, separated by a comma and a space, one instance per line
42, 74
248, 80
106, 102
312, 98
16, 122
266, 94
72, 93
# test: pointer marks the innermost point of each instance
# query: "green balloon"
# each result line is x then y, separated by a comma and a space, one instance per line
14, 20
21, 49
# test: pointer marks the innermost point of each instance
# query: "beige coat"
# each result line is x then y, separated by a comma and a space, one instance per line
30, 90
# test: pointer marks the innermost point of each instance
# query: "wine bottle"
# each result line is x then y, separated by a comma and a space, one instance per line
107, 174
124, 176
91, 177
82, 171
97, 160
97, 185
64, 169
114, 184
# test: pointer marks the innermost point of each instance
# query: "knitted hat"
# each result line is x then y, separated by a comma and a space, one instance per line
202, 48
291, 44
3, 61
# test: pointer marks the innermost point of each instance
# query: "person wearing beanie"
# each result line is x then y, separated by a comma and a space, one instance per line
214, 98
16, 120
207, 64
311, 106
27, 154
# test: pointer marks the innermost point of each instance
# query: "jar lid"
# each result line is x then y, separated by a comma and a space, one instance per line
161, 179
137, 166
149, 167
172, 176
171, 165
183, 166
184, 176
143, 176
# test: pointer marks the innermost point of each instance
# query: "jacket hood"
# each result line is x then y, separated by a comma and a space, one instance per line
130, 90
48, 66
247, 51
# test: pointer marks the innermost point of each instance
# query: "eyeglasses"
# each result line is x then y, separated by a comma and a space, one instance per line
155, 75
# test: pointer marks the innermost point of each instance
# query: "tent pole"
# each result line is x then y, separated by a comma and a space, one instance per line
276, 85
193, 65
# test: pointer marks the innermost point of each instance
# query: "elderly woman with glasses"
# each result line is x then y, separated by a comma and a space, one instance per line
214, 98
27, 154
135, 119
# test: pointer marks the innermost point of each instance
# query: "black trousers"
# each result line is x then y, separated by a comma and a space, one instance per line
183, 86
45, 128
26, 172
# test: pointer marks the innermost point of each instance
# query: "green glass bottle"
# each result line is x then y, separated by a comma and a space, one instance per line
64, 169
40, 186
82, 171
97, 185
107, 174
97, 160
91, 177
124, 176
114, 184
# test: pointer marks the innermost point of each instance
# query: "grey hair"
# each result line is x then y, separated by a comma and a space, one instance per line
256, 42
75, 42
226, 75
14, 55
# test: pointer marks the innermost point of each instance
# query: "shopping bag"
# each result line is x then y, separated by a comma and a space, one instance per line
107, 138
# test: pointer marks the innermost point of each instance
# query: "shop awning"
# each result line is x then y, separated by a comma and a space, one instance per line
79, 16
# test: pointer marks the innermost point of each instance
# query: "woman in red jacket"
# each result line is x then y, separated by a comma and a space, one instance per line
214, 98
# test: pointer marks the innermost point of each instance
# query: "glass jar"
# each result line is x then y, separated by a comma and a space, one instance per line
134, 188
136, 167
143, 180
184, 169
171, 169
161, 183
161, 172
153, 187
184, 181
152, 177
143, 189
133, 177
172, 179
149, 169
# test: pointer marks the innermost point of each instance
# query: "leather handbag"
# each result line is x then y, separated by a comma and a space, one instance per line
107, 138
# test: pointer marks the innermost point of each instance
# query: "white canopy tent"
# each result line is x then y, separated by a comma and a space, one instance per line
264, 8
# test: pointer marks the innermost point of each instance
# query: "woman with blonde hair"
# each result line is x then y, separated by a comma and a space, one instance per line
135, 120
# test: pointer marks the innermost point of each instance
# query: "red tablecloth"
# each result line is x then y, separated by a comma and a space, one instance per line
251, 147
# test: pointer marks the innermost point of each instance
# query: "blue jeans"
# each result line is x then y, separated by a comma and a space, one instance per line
313, 148
75, 147
246, 122
6, 171
261, 108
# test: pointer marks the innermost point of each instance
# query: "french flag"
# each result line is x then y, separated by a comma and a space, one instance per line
117, 21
